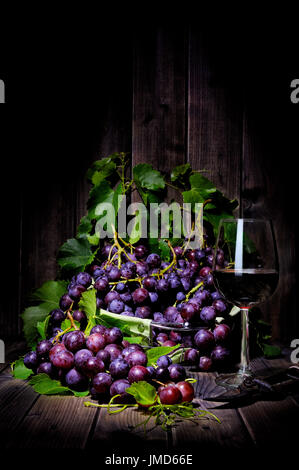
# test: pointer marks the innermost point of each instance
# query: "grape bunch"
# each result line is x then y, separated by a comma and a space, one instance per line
106, 365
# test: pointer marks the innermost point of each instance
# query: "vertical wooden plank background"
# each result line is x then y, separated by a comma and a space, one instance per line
168, 95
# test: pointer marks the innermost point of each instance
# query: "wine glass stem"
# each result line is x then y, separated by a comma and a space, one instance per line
244, 365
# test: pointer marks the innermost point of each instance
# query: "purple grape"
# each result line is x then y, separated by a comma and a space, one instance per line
101, 284
187, 311
116, 306
100, 303
114, 350
158, 317
177, 372
220, 355
98, 329
65, 302
119, 387
175, 336
75, 340
219, 305
178, 251
205, 363
162, 286
140, 251
76, 291
141, 268
199, 255
205, 271
63, 360
140, 295
92, 366
149, 283
163, 361
31, 360
127, 272
175, 283
191, 356
216, 295
76, 381
129, 349
138, 373
80, 317
102, 382
143, 312
113, 336
208, 314
104, 356
162, 374
209, 280
45, 368
43, 348
221, 332
203, 296
204, 340
170, 312
84, 279
95, 342
119, 368
108, 250
112, 295
137, 358
151, 370
161, 338
180, 296
57, 317
114, 274
121, 287
81, 357
153, 260
126, 297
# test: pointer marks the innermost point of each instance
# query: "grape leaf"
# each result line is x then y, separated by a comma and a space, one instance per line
42, 327
146, 177
48, 296
143, 392
99, 194
271, 351
202, 184
75, 255
133, 325
88, 304
179, 172
193, 196
107, 168
84, 227
154, 353
44, 385
19, 370
134, 339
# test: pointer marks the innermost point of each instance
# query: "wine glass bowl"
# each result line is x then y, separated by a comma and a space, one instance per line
248, 276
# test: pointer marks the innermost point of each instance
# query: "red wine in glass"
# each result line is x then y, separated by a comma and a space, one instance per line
250, 276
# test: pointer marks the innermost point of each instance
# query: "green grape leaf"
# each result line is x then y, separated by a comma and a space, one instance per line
134, 339
19, 370
75, 255
88, 304
102, 193
48, 296
146, 177
42, 327
144, 393
154, 353
271, 351
179, 172
204, 186
44, 385
108, 167
193, 196
85, 227
131, 326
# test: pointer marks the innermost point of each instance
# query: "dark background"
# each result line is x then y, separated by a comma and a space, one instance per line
168, 93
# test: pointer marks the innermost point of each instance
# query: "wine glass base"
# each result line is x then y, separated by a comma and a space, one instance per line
231, 381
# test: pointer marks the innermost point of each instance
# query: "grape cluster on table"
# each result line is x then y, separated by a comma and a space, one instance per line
106, 365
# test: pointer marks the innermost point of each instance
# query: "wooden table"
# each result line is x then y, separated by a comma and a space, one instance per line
31, 421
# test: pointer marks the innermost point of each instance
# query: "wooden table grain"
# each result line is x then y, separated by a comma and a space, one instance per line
32, 421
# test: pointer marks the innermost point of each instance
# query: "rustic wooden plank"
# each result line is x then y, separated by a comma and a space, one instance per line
54, 422
214, 116
159, 98
272, 421
121, 428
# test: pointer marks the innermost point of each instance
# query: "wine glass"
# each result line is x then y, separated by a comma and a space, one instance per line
248, 276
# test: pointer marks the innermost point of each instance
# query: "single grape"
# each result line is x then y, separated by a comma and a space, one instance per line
205, 363
126, 297
80, 317
175, 283
63, 360
163, 361
191, 356
204, 339
65, 302
114, 350
162, 286
81, 357
221, 332
113, 336
220, 355
151, 370
98, 329
170, 395
138, 373
119, 368
92, 366
162, 374
116, 306
104, 356
102, 382
137, 358
153, 260
199, 255
100, 303
143, 312
119, 387
161, 338
43, 348
56, 349
209, 280
57, 317
188, 311
208, 314
187, 391
112, 295
31, 360
170, 313
205, 271
95, 342
101, 285
45, 368
140, 295
158, 317
175, 336
129, 349
121, 287
180, 296
149, 283
219, 305
216, 295
140, 251
75, 340
141, 268
84, 278
178, 251
76, 291
169, 343
114, 274
203, 296
76, 381
176, 372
